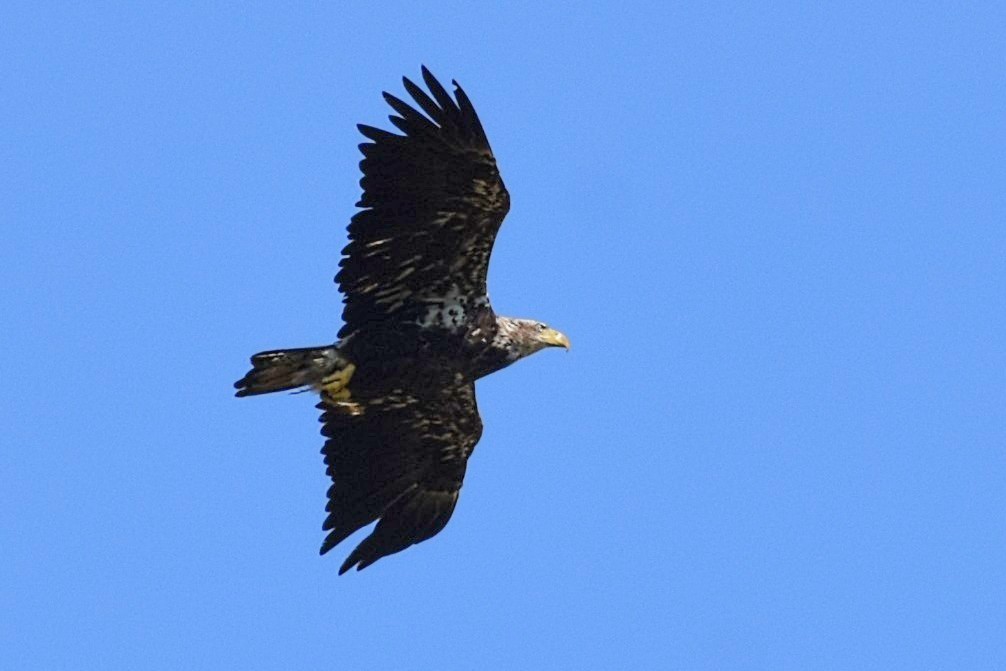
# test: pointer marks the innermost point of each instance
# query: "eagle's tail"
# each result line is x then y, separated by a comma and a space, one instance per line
280, 370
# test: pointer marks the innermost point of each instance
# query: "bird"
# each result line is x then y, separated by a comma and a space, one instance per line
397, 388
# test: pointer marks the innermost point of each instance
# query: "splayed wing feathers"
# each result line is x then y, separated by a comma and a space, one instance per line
433, 202
400, 461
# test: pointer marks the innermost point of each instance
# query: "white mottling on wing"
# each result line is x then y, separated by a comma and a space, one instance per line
447, 311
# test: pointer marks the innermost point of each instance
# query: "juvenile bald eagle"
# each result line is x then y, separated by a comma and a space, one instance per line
398, 387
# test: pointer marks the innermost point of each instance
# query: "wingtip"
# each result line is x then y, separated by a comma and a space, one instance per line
356, 558
430, 79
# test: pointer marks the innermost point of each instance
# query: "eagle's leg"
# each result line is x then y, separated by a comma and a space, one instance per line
335, 386
334, 390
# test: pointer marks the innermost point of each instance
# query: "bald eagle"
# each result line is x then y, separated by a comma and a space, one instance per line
397, 389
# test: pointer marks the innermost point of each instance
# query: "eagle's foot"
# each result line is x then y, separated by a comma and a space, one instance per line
334, 390
336, 385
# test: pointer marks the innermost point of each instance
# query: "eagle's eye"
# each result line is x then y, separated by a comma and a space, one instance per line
542, 327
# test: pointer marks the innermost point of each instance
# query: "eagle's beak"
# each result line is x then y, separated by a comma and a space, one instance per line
554, 338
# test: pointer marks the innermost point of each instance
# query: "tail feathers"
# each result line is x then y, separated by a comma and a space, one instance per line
280, 370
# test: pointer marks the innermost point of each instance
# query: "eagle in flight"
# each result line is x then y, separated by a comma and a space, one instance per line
398, 387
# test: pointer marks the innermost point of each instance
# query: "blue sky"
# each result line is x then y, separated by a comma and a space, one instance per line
773, 231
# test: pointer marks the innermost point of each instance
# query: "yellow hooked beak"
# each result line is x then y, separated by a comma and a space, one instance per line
554, 338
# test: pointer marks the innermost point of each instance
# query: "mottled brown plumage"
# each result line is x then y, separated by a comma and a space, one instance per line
398, 388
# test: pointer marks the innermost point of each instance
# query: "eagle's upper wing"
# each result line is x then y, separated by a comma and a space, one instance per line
399, 458
433, 202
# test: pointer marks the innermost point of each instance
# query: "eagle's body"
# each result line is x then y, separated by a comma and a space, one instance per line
397, 389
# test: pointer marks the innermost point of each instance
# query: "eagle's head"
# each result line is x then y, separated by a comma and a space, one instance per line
527, 336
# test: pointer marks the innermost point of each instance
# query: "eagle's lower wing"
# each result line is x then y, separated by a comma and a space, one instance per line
433, 202
398, 458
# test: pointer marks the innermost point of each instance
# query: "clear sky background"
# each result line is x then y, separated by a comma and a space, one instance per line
775, 232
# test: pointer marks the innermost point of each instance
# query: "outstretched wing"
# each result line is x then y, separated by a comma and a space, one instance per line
399, 458
433, 201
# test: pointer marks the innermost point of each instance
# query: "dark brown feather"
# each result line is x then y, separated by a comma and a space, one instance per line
433, 202
400, 461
